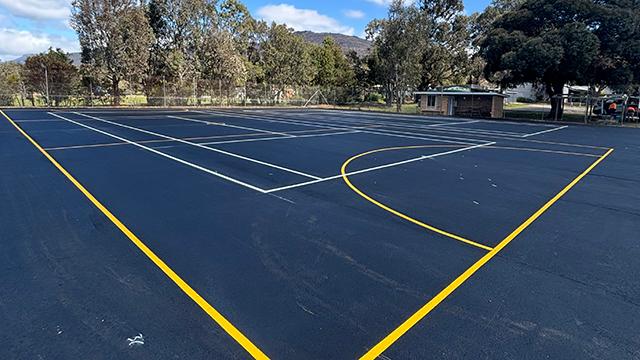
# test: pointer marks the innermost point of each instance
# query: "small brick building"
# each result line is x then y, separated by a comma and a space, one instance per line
462, 102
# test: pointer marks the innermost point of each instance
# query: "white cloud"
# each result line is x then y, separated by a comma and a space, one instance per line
353, 14
15, 43
38, 9
302, 19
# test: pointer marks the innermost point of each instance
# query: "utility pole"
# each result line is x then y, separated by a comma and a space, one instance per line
46, 81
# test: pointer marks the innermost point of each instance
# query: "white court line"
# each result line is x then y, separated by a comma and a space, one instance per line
347, 124
329, 119
409, 127
394, 133
422, 118
266, 139
184, 162
518, 138
455, 123
203, 147
85, 146
390, 122
545, 131
378, 167
37, 120
228, 125
262, 118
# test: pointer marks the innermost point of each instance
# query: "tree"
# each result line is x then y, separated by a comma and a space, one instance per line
444, 43
396, 51
479, 26
220, 61
51, 74
115, 37
618, 62
361, 74
286, 59
11, 83
331, 66
552, 42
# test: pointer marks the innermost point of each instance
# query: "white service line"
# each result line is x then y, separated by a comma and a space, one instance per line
262, 118
325, 119
545, 131
516, 138
85, 146
406, 127
422, 118
266, 139
203, 147
394, 133
424, 157
37, 120
228, 125
455, 123
410, 127
184, 162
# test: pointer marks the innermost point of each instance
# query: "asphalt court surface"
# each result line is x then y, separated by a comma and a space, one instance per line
316, 234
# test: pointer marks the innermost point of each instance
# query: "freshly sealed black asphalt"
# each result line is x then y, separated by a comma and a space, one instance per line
315, 271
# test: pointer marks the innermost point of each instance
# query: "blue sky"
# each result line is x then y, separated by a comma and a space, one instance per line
32, 26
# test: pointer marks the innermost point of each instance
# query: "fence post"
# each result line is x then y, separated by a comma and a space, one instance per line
164, 92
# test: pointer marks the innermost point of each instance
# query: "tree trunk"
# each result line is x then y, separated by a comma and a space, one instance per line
555, 92
115, 88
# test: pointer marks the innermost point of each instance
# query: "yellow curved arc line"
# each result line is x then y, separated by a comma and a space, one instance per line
398, 332
397, 213
225, 324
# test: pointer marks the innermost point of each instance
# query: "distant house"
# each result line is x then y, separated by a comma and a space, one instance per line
529, 92
462, 101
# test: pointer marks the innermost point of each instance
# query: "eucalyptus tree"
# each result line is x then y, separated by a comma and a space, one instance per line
115, 38
286, 58
444, 42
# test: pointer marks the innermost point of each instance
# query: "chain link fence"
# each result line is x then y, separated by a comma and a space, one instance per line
194, 93
609, 110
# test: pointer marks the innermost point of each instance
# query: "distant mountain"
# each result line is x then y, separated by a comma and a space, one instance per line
75, 57
346, 42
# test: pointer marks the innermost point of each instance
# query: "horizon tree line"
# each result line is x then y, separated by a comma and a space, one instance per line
194, 48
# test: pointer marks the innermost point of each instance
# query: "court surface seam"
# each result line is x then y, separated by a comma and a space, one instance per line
398, 332
225, 324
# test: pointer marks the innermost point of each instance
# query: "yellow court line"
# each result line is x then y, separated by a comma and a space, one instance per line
227, 326
345, 177
379, 348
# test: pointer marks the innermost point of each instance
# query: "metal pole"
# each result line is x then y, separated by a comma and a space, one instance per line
164, 92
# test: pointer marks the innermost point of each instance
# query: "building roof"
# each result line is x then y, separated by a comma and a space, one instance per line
460, 93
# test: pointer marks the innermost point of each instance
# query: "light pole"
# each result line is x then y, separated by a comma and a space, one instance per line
46, 81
